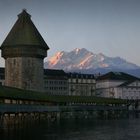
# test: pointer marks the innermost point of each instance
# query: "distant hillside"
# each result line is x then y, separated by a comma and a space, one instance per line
82, 60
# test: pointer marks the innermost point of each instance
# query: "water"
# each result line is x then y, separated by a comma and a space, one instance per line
122, 129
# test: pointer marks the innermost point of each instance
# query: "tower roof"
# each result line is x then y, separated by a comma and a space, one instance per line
25, 33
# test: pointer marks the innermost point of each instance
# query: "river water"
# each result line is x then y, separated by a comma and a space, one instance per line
95, 129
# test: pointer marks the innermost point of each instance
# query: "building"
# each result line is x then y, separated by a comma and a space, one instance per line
81, 84
129, 90
56, 82
118, 85
24, 50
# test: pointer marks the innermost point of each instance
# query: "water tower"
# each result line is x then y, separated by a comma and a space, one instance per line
24, 50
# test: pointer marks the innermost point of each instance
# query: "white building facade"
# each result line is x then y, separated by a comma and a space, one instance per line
118, 85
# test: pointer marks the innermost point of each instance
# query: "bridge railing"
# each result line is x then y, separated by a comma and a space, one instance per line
15, 108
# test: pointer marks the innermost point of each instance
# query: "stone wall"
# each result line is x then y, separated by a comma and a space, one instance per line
25, 73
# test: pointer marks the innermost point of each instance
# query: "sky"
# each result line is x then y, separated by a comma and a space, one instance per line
111, 27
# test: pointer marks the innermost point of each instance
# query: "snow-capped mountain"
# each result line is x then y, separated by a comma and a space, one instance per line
82, 59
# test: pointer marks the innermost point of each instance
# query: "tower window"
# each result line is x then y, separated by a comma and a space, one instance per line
28, 62
14, 61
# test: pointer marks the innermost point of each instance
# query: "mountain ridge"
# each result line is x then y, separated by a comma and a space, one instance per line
82, 60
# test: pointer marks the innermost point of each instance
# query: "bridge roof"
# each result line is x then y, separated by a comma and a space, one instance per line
13, 93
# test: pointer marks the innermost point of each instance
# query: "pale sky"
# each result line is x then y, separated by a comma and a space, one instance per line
111, 27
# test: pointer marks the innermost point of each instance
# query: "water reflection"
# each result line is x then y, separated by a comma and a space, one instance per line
123, 129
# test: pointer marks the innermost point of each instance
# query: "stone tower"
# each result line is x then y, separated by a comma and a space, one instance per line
24, 50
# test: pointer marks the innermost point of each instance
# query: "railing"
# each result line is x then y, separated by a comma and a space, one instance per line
15, 108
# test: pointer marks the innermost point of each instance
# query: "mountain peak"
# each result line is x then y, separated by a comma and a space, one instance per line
76, 50
80, 50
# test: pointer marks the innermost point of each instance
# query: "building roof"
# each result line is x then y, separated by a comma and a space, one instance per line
127, 83
79, 75
54, 73
24, 33
117, 76
47, 72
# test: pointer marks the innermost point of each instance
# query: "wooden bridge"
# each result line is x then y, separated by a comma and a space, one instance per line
17, 102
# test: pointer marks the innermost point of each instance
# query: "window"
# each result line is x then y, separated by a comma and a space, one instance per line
74, 80
14, 61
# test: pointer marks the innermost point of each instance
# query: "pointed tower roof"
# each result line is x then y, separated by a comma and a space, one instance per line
25, 33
